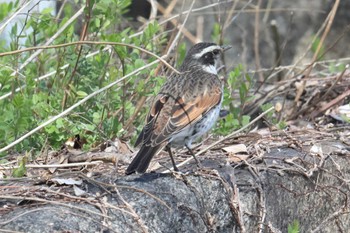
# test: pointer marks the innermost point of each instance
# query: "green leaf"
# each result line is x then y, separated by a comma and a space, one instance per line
59, 123
97, 22
81, 94
3, 161
96, 117
51, 129
216, 32
21, 170
245, 120
181, 51
282, 125
139, 63
294, 227
265, 107
18, 101
314, 47
47, 11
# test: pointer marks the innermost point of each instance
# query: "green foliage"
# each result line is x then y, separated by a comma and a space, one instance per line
294, 227
314, 47
337, 68
282, 125
21, 170
237, 80
265, 107
60, 77
272, 118
7, 8
216, 32
181, 51
100, 118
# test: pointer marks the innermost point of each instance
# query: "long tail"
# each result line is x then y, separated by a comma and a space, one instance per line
142, 160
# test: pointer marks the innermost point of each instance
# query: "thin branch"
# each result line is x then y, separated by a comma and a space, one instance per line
185, 12
171, 47
53, 165
40, 48
332, 103
334, 215
36, 80
79, 49
24, 198
256, 41
137, 217
153, 13
330, 18
182, 29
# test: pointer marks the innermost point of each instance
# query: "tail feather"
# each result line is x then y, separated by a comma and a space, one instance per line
139, 138
142, 160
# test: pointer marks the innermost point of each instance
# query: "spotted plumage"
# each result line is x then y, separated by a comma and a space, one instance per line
186, 107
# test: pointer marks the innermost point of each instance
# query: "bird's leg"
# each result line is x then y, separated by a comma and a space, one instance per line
191, 152
168, 149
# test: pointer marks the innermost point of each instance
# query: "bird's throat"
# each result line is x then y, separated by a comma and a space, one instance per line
210, 69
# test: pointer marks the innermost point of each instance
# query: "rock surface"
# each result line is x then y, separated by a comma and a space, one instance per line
258, 195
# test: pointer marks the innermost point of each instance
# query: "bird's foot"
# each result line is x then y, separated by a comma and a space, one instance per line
199, 164
179, 174
175, 168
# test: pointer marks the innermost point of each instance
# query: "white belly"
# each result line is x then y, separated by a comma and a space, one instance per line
195, 131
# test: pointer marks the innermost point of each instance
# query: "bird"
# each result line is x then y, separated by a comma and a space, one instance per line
186, 107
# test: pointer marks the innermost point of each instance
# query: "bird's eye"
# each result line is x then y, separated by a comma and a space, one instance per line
216, 52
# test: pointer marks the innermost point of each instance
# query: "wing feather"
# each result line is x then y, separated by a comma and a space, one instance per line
171, 111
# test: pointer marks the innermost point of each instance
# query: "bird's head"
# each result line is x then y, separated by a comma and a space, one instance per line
204, 54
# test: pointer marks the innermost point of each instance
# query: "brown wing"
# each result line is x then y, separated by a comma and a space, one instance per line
172, 111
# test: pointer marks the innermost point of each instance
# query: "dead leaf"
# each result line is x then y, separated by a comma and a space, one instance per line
236, 158
278, 107
75, 142
234, 149
125, 148
316, 149
69, 181
61, 159
78, 191
235, 153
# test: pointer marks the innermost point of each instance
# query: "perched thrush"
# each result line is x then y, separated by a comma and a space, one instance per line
186, 107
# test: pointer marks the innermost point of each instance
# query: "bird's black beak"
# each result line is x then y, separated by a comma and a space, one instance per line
225, 47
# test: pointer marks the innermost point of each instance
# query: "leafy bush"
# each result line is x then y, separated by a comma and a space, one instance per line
59, 77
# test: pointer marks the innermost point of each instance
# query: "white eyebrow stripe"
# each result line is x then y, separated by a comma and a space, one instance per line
206, 50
